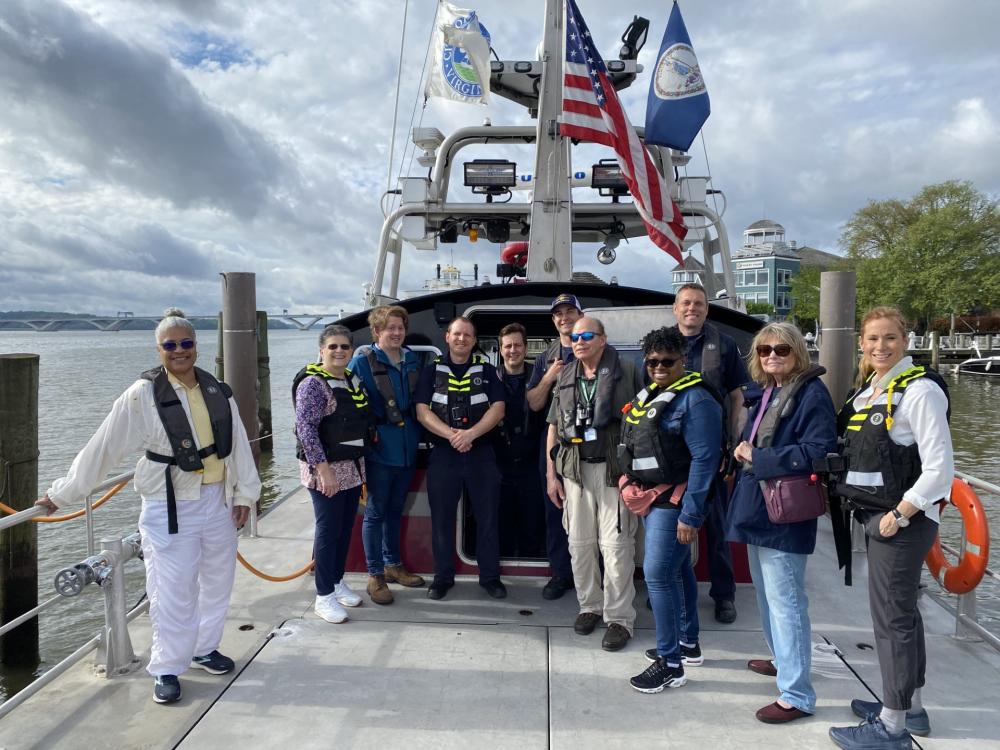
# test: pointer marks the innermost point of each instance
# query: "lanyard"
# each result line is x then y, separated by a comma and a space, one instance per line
588, 389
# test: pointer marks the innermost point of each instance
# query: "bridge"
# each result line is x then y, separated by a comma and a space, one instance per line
302, 321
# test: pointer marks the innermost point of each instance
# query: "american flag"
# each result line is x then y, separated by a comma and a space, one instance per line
592, 112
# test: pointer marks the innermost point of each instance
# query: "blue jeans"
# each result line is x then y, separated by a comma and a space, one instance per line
387, 488
779, 579
673, 590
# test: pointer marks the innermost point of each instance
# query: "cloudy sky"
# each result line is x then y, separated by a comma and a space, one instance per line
147, 146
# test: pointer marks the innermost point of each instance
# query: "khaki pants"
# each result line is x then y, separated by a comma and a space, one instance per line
590, 517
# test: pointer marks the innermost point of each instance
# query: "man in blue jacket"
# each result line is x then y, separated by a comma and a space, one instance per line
389, 372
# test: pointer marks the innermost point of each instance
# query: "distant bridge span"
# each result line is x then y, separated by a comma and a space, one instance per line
302, 321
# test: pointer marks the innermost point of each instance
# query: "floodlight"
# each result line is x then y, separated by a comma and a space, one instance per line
491, 176
606, 177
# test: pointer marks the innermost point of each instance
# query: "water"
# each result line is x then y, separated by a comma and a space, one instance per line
83, 372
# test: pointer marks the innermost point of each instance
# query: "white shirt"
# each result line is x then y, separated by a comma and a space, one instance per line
920, 418
134, 425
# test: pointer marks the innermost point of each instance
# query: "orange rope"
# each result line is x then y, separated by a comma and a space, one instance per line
276, 579
75, 514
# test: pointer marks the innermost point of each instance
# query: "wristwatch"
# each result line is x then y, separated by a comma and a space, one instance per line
901, 520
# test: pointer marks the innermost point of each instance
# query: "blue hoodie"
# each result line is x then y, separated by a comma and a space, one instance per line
397, 446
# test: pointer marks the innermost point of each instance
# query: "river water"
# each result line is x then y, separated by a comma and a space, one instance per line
83, 372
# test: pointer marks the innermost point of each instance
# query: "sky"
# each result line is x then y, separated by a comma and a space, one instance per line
146, 147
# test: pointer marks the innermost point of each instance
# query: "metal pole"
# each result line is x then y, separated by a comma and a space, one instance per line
264, 384
838, 350
115, 653
220, 370
239, 338
936, 350
19, 489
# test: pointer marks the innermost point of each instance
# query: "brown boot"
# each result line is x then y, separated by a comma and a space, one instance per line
378, 590
399, 574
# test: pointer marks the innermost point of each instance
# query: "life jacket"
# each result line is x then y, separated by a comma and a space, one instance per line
347, 434
575, 417
646, 453
782, 405
879, 470
514, 434
186, 454
459, 402
394, 414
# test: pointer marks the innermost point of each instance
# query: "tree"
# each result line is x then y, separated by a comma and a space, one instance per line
936, 254
760, 308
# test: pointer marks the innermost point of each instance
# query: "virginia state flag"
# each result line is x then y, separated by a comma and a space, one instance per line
678, 103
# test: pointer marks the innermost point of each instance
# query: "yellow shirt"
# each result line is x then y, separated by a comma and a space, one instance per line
215, 469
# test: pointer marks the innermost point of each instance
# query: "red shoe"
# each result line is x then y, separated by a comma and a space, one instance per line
775, 713
763, 666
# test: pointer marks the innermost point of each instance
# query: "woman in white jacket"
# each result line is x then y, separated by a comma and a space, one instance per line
197, 480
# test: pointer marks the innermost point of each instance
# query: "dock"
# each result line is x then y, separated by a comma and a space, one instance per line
472, 672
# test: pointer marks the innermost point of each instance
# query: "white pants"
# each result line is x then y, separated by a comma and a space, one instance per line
590, 517
189, 577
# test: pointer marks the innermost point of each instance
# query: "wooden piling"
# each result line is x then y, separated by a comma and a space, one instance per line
264, 384
19, 489
239, 335
220, 368
936, 350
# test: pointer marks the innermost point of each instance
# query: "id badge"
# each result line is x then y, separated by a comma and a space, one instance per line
589, 435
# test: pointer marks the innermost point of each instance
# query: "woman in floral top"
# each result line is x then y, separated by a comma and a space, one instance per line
328, 401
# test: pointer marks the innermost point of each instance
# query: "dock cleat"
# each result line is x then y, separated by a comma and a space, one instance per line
214, 663
917, 722
658, 676
166, 688
870, 735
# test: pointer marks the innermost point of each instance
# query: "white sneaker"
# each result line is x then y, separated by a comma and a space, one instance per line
345, 595
329, 609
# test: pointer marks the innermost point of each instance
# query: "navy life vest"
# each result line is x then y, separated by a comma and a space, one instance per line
186, 454
394, 414
879, 470
460, 402
347, 434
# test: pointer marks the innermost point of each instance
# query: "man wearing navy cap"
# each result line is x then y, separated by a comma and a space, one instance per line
566, 310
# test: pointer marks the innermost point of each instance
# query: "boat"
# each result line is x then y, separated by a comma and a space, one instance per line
472, 672
980, 365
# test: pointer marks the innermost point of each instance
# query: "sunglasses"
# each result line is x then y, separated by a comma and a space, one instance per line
584, 336
653, 363
782, 350
169, 346
335, 347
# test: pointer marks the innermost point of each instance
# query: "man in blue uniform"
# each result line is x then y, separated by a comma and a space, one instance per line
716, 356
459, 401
566, 310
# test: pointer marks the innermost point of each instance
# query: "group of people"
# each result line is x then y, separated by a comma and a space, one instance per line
611, 444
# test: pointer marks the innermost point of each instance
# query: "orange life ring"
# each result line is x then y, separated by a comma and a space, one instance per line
966, 575
516, 253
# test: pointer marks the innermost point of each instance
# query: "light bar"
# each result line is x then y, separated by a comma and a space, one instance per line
490, 174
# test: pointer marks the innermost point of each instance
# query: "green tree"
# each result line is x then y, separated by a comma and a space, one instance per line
760, 308
936, 254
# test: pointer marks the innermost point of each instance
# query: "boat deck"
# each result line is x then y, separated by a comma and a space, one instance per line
470, 672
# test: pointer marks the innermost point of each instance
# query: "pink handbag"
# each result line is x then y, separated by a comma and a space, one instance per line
639, 501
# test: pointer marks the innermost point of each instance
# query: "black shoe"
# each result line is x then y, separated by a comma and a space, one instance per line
438, 589
616, 638
496, 589
213, 663
658, 676
690, 656
725, 611
585, 623
556, 587
166, 689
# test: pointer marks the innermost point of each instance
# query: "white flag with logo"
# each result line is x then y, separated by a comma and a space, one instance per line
460, 70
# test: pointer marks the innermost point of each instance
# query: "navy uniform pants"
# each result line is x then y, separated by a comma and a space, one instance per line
448, 473
720, 558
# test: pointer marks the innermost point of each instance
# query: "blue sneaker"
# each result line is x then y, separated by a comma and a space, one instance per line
917, 722
214, 663
166, 689
870, 735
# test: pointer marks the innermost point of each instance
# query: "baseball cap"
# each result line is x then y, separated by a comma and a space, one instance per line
566, 299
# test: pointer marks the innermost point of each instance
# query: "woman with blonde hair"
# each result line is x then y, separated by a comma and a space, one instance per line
900, 465
790, 424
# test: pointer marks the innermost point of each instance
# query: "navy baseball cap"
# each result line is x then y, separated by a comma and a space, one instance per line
566, 299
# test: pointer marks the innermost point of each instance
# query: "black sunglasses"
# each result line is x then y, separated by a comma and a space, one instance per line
335, 347
169, 346
585, 336
652, 363
782, 350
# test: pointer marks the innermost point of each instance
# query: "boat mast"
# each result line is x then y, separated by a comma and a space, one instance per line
550, 246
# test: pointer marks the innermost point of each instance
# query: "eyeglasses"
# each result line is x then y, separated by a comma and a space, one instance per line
169, 346
653, 363
335, 347
782, 350
583, 336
